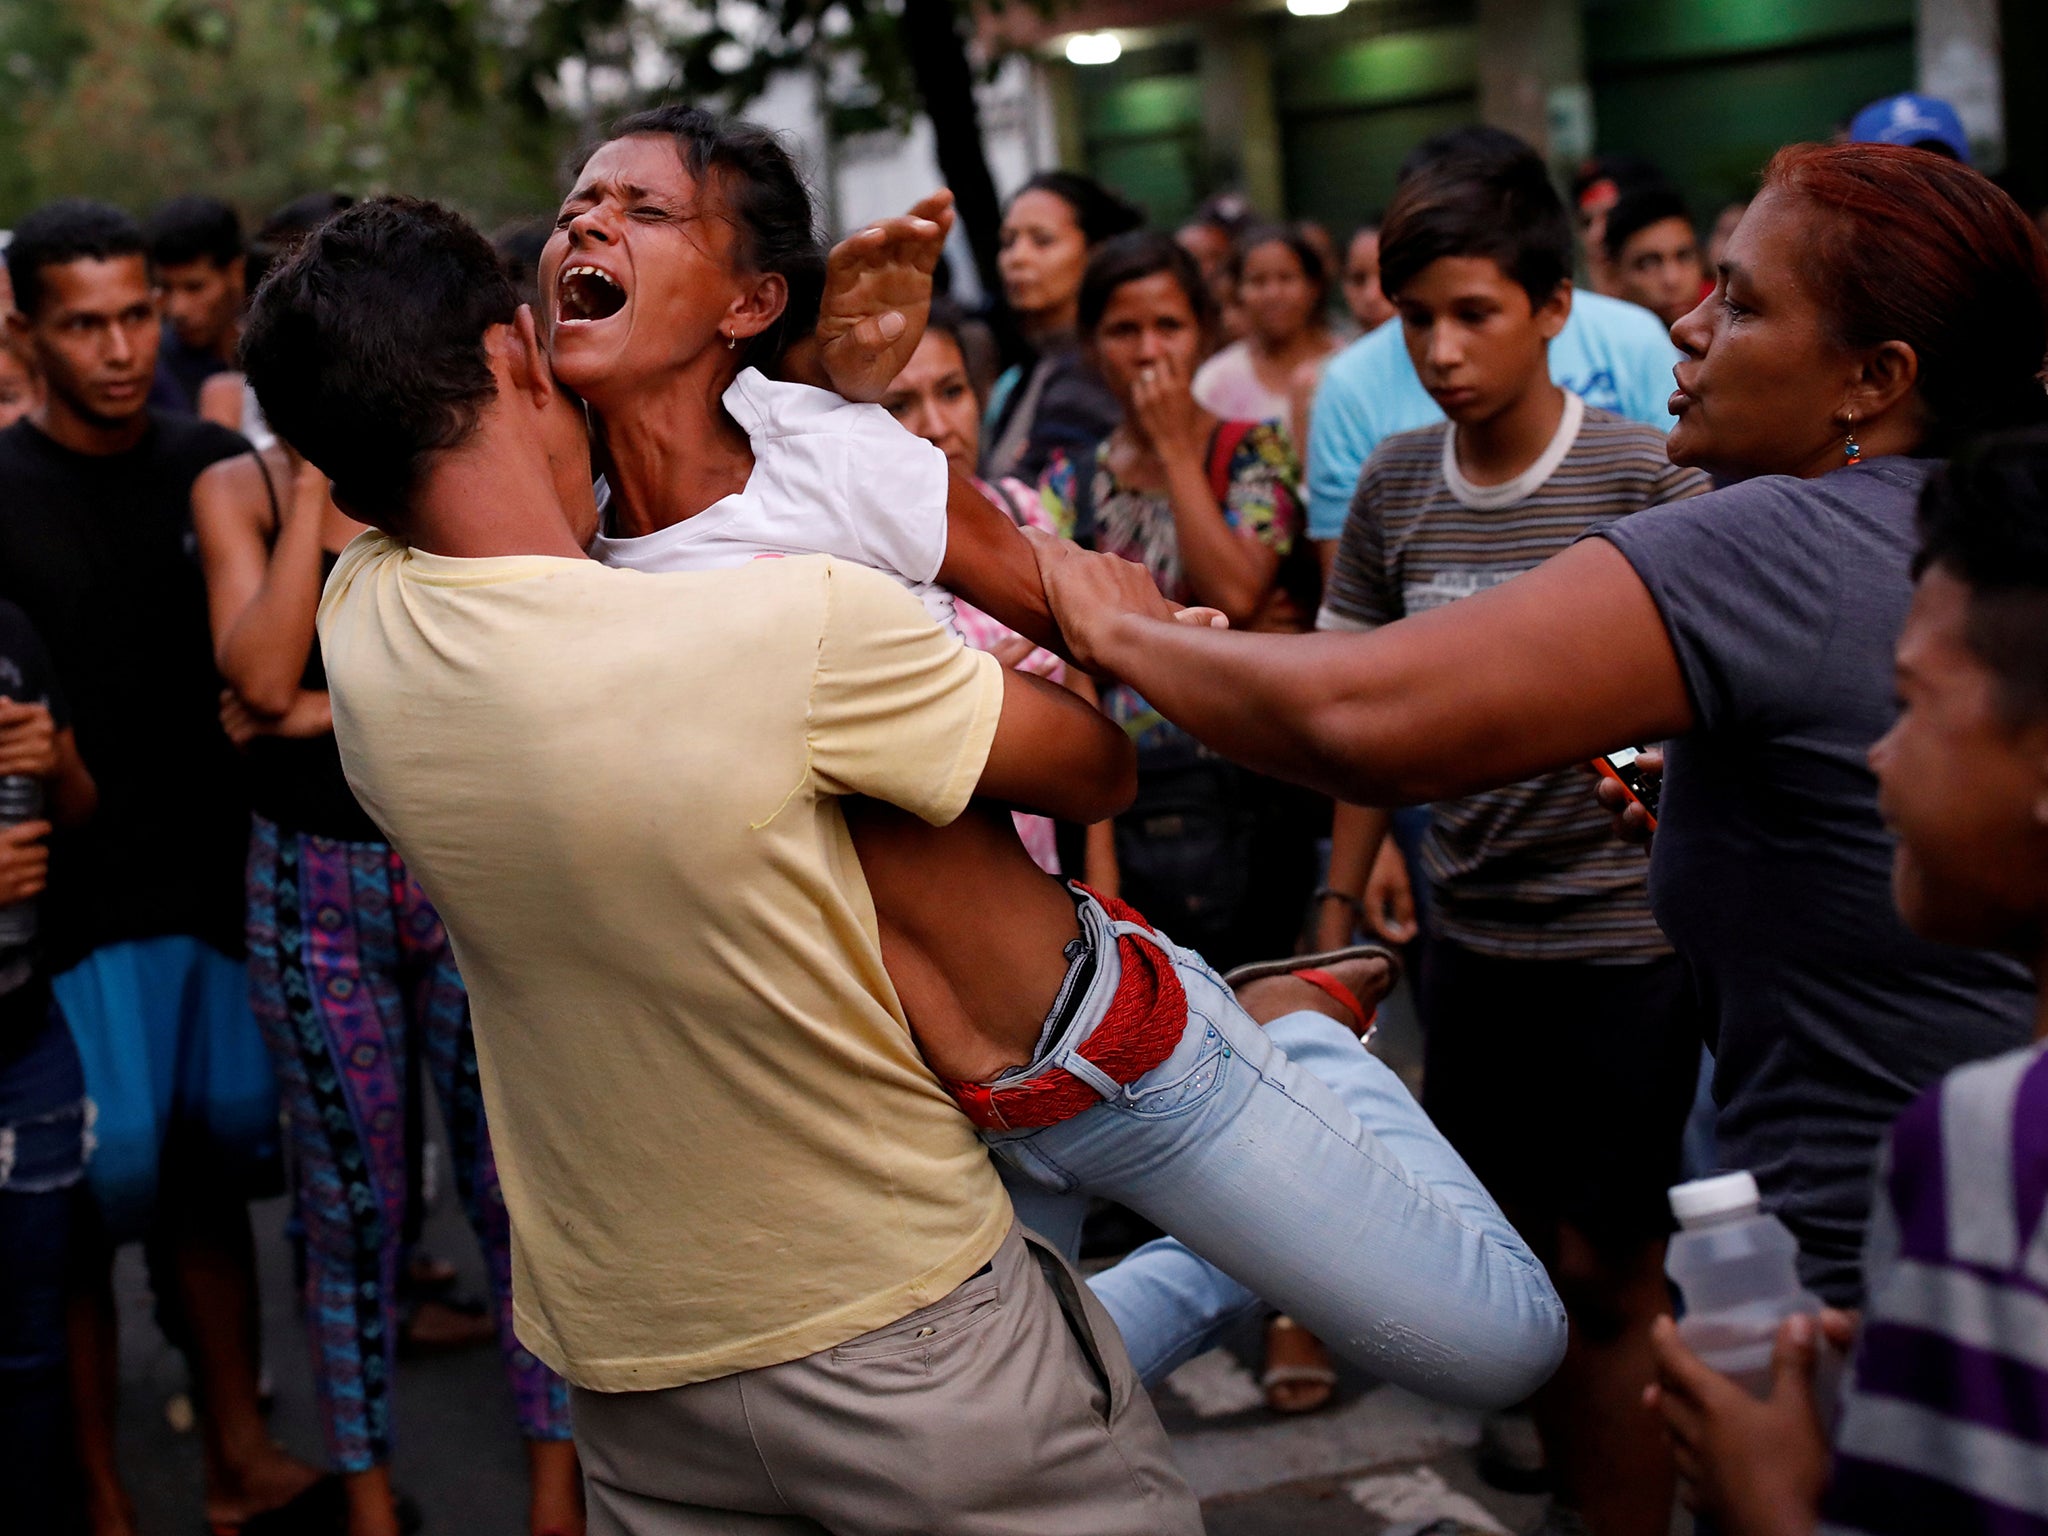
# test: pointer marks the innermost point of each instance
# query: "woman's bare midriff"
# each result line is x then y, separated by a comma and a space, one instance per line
974, 933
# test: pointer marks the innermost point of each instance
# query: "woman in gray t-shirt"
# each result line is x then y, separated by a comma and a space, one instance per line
1875, 305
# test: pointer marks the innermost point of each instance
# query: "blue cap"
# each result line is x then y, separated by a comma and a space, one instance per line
1911, 119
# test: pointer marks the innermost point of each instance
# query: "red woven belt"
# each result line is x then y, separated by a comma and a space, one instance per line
1144, 1023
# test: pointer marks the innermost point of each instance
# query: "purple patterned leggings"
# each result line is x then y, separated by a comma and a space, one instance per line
350, 969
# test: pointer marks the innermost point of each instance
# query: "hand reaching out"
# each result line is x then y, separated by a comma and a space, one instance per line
1087, 590
878, 295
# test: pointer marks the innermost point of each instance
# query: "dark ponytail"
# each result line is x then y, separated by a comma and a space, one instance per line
766, 196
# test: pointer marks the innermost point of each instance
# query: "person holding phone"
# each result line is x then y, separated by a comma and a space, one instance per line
1562, 1044
1876, 306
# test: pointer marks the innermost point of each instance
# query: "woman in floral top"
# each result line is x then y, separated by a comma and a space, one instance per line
1209, 507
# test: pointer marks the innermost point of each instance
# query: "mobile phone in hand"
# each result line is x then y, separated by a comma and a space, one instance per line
1622, 767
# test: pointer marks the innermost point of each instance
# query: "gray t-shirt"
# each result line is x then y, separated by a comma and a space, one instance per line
1771, 871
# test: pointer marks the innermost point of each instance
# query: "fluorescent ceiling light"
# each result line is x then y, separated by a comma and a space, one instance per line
1103, 48
1315, 7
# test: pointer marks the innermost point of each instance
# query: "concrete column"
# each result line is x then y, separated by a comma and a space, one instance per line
1532, 75
1240, 126
1063, 97
1958, 52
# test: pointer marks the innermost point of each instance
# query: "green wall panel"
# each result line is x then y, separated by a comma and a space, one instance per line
1638, 31
1378, 71
1138, 108
1339, 166
1160, 175
1712, 126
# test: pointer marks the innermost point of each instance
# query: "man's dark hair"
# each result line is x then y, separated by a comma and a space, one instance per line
1132, 258
1478, 148
1101, 213
195, 228
366, 345
519, 244
1984, 520
56, 234
764, 192
1502, 210
1636, 212
281, 233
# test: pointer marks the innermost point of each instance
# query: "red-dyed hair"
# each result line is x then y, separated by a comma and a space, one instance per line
1918, 248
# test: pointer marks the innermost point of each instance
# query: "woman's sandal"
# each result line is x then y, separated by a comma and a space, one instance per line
1300, 1384
1313, 969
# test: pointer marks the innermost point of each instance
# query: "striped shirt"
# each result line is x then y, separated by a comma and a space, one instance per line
1944, 1424
1533, 871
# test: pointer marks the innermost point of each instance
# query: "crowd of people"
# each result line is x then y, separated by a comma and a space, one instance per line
532, 675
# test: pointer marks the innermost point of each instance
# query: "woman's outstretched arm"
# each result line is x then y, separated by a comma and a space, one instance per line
1548, 670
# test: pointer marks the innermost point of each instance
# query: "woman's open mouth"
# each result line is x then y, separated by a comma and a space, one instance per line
585, 293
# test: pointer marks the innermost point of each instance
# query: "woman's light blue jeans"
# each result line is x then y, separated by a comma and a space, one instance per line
1293, 1169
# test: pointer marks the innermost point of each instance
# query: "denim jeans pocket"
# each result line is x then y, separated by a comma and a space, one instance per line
45, 1152
1187, 1078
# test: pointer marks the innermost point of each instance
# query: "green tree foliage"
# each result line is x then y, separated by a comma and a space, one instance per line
252, 100
879, 62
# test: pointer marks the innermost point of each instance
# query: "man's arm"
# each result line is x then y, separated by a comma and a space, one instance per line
1055, 755
1546, 670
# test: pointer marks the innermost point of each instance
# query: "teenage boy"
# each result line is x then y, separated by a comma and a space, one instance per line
142, 925
1939, 1426
1655, 253
749, 1226
1607, 352
1562, 1045
195, 247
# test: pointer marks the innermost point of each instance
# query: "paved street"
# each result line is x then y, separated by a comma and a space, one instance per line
1377, 1459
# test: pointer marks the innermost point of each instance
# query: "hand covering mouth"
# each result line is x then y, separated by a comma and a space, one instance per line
585, 293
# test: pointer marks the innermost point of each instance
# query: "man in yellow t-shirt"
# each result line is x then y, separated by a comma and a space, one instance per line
749, 1226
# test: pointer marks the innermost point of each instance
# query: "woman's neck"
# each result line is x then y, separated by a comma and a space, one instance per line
1290, 352
1276, 361
1047, 328
673, 451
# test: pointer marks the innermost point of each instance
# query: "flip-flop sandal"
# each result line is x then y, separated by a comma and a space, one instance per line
1294, 1375
1311, 969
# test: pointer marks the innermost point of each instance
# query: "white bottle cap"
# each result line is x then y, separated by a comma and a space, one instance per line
1725, 1194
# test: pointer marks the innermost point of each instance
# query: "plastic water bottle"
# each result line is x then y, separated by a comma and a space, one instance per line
1738, 1269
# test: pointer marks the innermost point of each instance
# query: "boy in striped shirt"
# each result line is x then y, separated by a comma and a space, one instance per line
1563, 1039
1943, 1423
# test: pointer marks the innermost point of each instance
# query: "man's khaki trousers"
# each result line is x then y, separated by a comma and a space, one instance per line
1007, 1407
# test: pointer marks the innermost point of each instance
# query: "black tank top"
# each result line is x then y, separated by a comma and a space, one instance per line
298, 783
